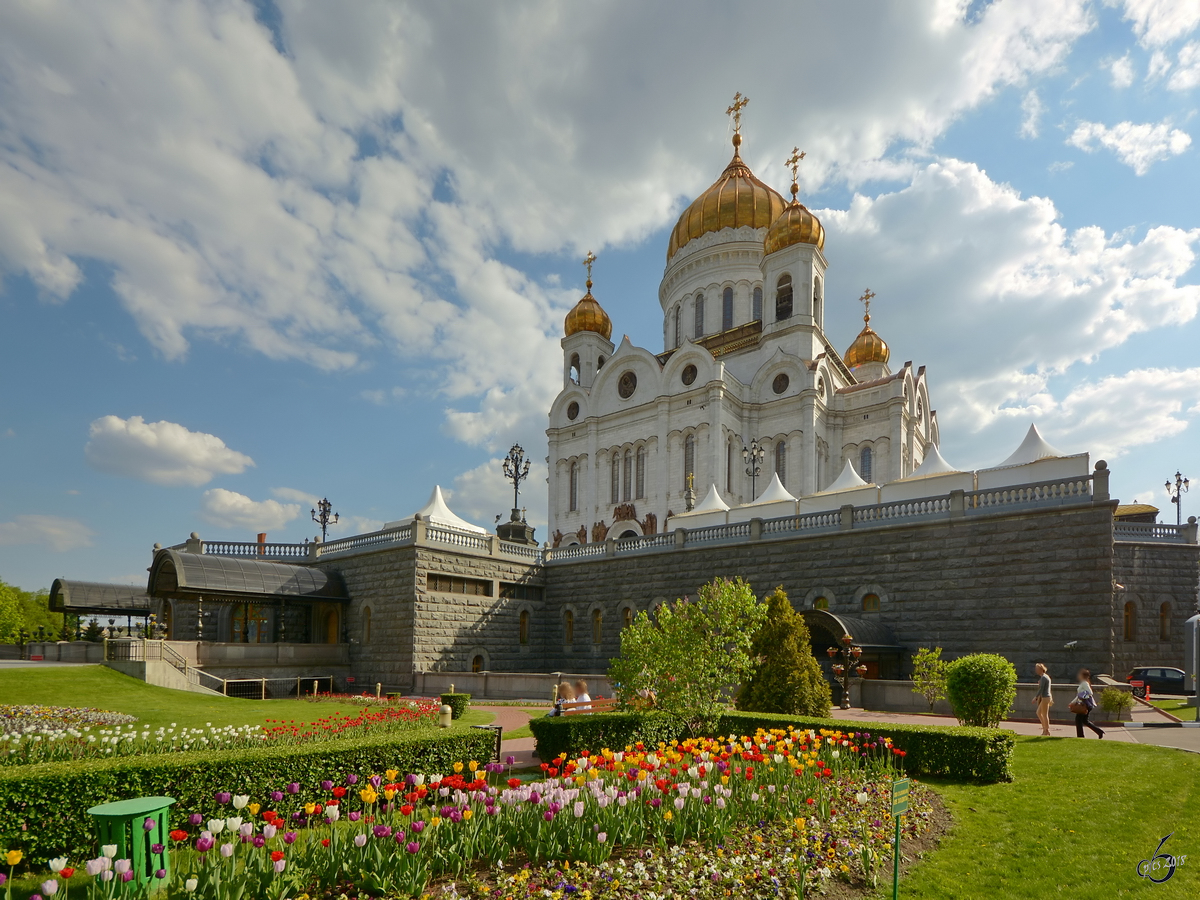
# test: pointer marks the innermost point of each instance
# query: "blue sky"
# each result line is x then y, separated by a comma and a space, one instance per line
257, 254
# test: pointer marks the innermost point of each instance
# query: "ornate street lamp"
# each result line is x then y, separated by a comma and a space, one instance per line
849, 654
1175, 492
325, 517
753, 457
516, 470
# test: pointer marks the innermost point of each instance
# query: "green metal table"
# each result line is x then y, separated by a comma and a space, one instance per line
137, 827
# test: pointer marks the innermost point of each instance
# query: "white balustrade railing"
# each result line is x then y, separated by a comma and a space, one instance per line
575, 551
903, 509
254, 550
645, 542
522, 550
358, 542
729, 532
1147, 531
468, 539
1049, 493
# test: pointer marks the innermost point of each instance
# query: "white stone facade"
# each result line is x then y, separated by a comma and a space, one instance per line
629, 425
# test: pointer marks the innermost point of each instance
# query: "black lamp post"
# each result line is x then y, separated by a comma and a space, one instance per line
849, 654
1176, 492
753, 457
324, 517
516, 470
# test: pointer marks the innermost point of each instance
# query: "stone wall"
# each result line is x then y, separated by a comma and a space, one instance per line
1022, 585
1152, 575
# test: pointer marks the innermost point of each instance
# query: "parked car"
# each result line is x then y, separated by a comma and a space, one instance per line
1161, 680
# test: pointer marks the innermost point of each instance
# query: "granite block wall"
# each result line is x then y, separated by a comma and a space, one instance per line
1160, 581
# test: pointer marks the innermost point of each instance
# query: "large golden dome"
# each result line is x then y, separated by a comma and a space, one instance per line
588, 315
735, 199
868, 347
795, 225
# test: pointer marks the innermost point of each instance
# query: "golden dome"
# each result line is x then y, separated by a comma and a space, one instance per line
588, 314
868, 347
735, 199
795, 225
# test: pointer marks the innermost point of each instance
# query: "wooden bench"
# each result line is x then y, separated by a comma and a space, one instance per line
587, 707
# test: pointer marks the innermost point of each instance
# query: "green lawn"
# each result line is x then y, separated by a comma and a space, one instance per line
1178, 708
1074, 824
106, 688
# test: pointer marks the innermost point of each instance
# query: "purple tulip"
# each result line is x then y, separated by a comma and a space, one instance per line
327, 785
535, 797
418, 826
399, 837
412, 847
260, 841
655, 802
548, 815
354, 816
156, 848
35, 897
352, 779
127, 876
289, 837
510, 760
196, 818
294, 787
160, 873
375, 781
3, 878
276, 796
203, 845
382, 831
223, 797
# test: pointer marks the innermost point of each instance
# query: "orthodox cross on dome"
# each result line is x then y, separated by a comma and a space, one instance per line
587, 261
793, 163
735, 110
865, 300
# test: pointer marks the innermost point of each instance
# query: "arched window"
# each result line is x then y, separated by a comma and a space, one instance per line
575, 367
699, 316
641, 472
729, 468
476, 663
600, 363
1164, 622
597, 626
366, 627
626, 617
783, 298
524, 629
615, 492
757, 304
821, 603
568, 627
1130, 621
870, 603
727, 309
689, 458
865, 466
781, 462
678, 328
626, 496
818, 302
574, 490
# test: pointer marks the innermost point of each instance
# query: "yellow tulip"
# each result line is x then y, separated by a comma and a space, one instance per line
310, 808
254, 808
368, 795
389, 793
458, 767
391, 774
14, 856
435, 822
467, 813
472, 765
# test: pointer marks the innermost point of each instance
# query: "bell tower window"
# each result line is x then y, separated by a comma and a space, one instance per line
757, 304
574, 488
699, 316
689, 459
781, 462
628, 475
574, 368
783, 298
818, 302
678, 328
727, 309
641, 473
615, 493
865, 464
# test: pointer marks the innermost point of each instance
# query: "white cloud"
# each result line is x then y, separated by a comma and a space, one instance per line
1031, 107
1159, 22
482, 493
1138, 146
1187, 76
294, 496
58, 533
228, 509
160, 452
1122, 72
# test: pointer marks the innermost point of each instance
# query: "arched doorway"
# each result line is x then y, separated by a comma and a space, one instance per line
331, 628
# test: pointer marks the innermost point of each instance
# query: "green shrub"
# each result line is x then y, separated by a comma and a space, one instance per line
970, 754
42, 806
786, 677
1115, 701
929, 675
616, 730
981, 688
458, 704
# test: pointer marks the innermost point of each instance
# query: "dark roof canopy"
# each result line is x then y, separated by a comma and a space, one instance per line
179, 574
865, 633
94, 597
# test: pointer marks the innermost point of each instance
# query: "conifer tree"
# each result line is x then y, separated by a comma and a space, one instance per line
787, 677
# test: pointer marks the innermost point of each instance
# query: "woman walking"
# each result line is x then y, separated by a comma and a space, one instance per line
1042, 699
1083, 704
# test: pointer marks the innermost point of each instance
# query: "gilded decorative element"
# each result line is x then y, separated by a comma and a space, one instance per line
868, 347
795, 225
588, 314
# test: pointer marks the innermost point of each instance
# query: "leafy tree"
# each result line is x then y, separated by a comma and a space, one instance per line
786, 677
929, 675
26, 609
982, 688
691, 654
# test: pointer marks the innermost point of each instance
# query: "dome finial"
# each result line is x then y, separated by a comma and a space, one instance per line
587, 261
793, 163
735, 110
865, 300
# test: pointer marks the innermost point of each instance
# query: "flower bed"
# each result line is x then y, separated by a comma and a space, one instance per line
823, 796
70, 734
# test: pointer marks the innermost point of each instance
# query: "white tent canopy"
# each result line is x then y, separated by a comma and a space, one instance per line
712, 501
436, 512
775, 493
933, 464
1033, 448
848, 480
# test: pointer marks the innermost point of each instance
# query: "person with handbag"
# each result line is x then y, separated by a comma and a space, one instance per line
1083, 704
1042, 699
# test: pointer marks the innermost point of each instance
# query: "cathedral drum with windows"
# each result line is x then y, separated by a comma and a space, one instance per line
745, 357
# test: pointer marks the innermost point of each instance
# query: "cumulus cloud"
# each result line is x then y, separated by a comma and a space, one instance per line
1187, 76
160, 452
1031, 109
56, 532
229, 509
480, 494
1121, 71
1138, 146
1159, 22
294, 496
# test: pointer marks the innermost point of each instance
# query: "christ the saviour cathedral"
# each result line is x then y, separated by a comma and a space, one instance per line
750, 446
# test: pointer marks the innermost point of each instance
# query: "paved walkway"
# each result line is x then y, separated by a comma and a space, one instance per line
38, 664
510, 718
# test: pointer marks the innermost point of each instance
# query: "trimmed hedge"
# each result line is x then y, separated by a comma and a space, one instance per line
458, 704
43, 807
975, 754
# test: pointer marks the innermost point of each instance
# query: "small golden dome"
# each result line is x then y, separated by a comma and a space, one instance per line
868, 347
735, 199
588, 314
795, 225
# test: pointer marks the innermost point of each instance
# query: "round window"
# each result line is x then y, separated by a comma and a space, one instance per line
626, 385
689, 374
573, 411
780, 384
